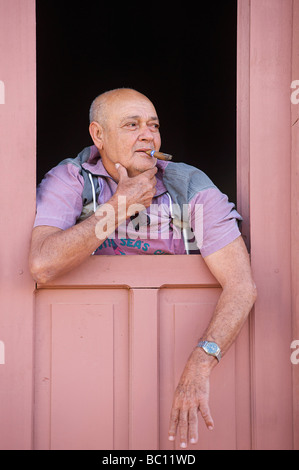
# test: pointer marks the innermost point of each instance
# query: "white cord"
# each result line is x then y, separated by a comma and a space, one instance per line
185, 235
170, 205
185, 232
93, 197
93, 193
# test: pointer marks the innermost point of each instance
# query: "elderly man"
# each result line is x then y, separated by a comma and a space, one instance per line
124, 179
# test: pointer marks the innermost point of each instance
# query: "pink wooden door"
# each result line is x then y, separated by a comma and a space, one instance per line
111, 338
81, 369
184, 312
171, 298
109, 355
268, 200
18, 159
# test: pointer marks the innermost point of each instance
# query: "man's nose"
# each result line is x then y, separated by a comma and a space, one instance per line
146, 134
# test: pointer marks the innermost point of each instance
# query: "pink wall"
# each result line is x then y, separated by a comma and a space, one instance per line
270, 200
295, 216
260, 384
268, 194
17, 181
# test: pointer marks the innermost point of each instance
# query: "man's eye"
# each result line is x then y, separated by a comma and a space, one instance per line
131, 124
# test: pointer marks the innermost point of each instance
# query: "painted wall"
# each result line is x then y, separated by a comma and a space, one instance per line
17, 181
267, 162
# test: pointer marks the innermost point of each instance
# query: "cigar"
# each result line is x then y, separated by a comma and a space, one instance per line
159, 155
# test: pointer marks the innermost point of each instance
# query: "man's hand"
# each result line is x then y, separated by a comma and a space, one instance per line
231, 267
55, 251
139, 189
190, 398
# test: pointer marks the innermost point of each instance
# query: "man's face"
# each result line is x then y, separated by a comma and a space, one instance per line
131, 127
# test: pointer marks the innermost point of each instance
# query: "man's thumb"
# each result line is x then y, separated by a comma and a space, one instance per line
122, 171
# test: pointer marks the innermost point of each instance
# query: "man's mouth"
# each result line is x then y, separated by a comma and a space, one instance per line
144, 150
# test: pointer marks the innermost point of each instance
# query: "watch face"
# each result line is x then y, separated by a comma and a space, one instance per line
212, 348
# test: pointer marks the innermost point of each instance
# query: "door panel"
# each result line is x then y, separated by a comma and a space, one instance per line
184, 315
108, 359
82, 369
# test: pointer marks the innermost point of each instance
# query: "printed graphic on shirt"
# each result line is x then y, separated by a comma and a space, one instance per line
124, 243
147, 232
151, 231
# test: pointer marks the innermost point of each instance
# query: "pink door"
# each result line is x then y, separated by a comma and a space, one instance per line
109, 355
81, 369
91, 361
17, 157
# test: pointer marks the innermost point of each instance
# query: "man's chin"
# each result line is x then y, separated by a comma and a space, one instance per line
142, 168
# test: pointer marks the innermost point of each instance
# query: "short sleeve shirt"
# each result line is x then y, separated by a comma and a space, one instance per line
213, 220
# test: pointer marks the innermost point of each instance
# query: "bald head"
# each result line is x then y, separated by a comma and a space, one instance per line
99, 108
123, 126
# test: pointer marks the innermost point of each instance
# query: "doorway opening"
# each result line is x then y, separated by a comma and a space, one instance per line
183, 59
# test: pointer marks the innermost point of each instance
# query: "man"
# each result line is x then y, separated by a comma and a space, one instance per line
123, 126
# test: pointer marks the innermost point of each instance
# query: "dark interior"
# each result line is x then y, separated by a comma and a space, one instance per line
182, 57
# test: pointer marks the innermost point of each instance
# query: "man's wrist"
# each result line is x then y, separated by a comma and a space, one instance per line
203, 361
210, 348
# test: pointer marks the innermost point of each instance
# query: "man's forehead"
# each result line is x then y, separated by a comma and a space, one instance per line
152, 117
133, 108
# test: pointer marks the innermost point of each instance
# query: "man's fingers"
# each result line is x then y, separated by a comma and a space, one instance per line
174, 419
186, 423
183, 428
122, 171
206, 414
193, 425
179, 421
151, 172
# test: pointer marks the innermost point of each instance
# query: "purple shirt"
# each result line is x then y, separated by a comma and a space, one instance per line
212, 217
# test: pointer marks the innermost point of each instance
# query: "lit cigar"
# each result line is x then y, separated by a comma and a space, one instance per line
159, 155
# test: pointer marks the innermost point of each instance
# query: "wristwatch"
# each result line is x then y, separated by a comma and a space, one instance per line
210, 348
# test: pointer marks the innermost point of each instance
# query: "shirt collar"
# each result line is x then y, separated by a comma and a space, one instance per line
95, 165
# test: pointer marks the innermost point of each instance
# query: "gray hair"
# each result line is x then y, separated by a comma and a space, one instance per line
97, 108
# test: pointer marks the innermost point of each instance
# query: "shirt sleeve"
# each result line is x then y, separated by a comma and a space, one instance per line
214, 220
59, 197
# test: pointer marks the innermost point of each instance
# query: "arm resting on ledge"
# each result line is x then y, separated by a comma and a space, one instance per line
54, 251
231, 267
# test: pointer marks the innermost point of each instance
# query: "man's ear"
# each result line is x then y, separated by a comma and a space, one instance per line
96, 132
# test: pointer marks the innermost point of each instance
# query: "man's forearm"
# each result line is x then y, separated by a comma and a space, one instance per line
233, 307
54, 251
192, 392
63, 250
231, 267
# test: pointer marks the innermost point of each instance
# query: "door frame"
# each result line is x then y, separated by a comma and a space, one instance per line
268, 151
267, 169
17, 183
